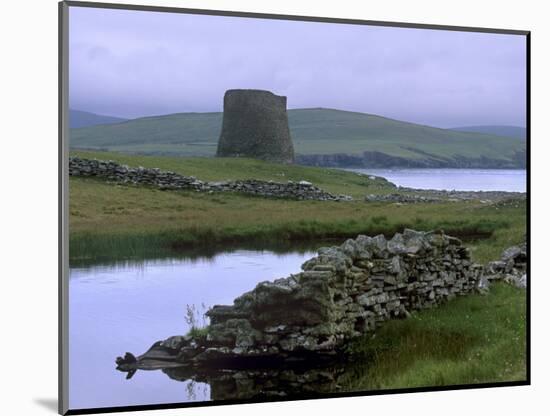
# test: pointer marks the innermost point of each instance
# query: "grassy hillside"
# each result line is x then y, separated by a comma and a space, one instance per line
79, 119
314, 131
186, 134
505, 131
325, 131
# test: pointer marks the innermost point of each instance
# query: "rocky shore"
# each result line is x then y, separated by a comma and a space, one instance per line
167, 180
376, 159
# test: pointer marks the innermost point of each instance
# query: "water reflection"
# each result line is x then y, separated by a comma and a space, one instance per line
271, 383
205, 253
123, 306
284, 381
511, 180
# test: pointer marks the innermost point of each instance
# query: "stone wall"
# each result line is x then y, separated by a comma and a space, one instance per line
344, 292
166, 180
511, 268
255, 124
413, 196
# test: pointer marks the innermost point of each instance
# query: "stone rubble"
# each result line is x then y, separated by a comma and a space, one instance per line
413, 196
511, 268
401, 198
344, 292
166, 180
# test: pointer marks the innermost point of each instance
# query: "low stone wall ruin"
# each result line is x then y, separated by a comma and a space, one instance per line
413, 196
511, 268
344, 292
167, 180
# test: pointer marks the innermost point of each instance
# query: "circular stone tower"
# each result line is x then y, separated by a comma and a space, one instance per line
255, 124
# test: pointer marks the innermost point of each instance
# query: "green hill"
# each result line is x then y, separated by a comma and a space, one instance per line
321, 136
79, 119
507, 131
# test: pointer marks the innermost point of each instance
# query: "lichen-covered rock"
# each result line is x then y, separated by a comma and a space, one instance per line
511, 253
511, 268
519, 281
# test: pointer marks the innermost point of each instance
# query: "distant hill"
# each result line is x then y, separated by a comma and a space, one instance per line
323, 137
79, 119
506, 131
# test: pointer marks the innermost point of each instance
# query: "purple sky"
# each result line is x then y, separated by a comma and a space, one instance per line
132, 63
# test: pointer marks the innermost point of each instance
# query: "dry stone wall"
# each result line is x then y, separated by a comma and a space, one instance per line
113, 171
412, 196
344, 292
511, 268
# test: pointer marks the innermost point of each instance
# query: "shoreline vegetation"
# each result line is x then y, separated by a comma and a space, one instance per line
123, 221
472, 339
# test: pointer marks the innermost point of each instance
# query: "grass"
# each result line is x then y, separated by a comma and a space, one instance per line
218, 169
472, 339
109, 220
198, 333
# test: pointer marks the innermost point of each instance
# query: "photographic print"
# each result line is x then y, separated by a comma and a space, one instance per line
264, 208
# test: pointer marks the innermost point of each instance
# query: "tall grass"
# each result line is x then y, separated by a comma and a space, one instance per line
148, 244
472, 339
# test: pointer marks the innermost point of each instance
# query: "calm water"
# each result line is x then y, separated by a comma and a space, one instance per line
512, 180
129, 306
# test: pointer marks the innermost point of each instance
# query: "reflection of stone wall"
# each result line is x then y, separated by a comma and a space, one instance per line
265, 383
116, 172
255, 124
344, 292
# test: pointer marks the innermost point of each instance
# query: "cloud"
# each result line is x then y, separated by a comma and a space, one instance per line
133, 63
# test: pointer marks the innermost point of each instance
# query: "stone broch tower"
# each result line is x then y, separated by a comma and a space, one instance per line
255, 124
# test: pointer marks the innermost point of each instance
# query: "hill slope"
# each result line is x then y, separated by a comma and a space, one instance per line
505, 131
79, 119
322, 137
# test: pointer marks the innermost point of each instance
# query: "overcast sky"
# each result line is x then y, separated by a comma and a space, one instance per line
132, 63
